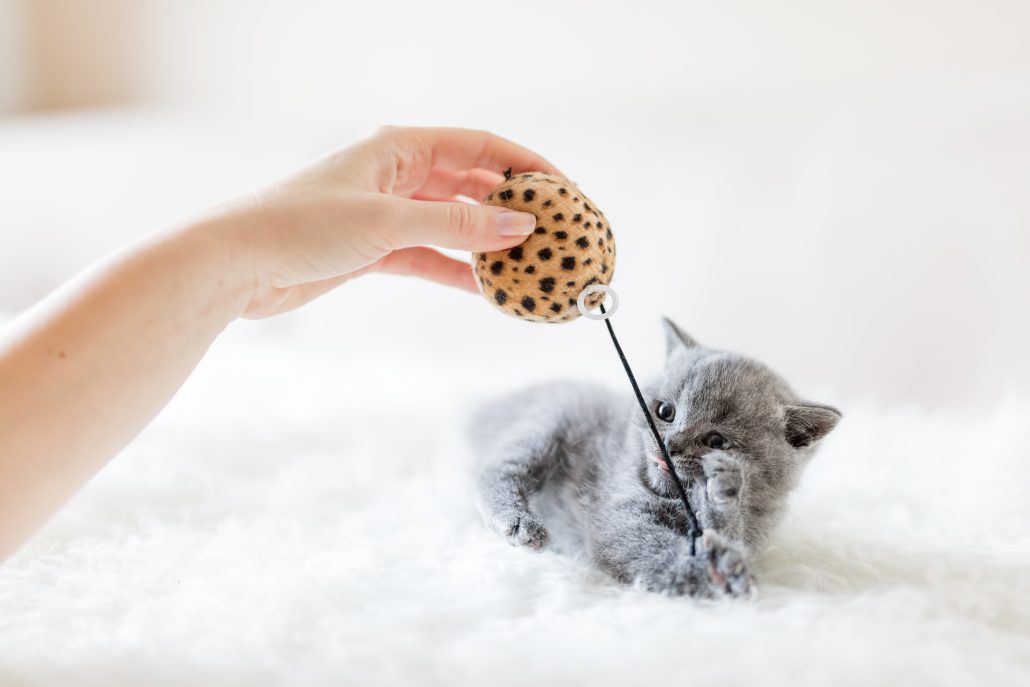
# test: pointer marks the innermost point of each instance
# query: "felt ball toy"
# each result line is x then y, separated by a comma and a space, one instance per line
571, 249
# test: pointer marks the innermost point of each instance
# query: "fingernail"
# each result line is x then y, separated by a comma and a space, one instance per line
515, 223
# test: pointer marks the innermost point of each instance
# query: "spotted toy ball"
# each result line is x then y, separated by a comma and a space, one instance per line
571, 249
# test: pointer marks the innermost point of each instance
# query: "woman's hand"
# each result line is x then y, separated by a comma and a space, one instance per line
375, 206
85, 370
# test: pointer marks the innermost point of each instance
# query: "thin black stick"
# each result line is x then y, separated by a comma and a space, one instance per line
692, 527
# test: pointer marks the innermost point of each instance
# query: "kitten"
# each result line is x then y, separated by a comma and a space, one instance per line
737, 435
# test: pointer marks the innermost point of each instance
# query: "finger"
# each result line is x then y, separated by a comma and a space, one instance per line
462, 226
461, 149
426, 263
400, 160
473, 183
436, 199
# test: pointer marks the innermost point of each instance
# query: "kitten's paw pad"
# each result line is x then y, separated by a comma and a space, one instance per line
727, 569
725, 479
523, 530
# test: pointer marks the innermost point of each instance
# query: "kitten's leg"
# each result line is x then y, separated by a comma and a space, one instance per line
634, 547
720, 497
723, 498
521, 441
506, 483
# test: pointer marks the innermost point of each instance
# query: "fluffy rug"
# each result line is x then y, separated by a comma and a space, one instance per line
279, 525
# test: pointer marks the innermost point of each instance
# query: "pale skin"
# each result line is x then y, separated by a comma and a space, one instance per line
85, 370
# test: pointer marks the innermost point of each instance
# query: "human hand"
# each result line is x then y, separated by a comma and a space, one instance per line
374, 206
90, 366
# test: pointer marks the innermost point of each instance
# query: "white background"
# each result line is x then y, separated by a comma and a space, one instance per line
837, 188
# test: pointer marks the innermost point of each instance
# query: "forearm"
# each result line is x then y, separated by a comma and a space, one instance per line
85, 370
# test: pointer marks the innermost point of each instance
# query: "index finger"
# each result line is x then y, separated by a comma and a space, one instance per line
463, 149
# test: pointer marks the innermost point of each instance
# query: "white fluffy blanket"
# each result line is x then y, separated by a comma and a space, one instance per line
298, 516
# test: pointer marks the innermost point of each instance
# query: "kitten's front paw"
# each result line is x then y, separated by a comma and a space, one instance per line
725, 563
521, 529
725, 479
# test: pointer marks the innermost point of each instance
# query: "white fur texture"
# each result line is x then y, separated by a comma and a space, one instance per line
290, 520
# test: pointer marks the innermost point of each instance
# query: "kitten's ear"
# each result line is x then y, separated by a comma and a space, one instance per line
675, 337
807, 424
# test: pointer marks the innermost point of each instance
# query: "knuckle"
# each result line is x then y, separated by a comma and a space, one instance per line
462, 220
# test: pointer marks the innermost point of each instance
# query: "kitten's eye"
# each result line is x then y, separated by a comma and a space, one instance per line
716, 441
665, 411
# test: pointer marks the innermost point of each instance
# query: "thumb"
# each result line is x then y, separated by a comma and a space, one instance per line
460, 226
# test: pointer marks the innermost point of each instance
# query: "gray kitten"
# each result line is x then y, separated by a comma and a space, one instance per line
579, 455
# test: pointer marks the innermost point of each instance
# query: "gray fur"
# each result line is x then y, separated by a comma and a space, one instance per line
592, 454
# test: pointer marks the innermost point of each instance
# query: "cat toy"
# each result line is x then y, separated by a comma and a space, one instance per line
561, 271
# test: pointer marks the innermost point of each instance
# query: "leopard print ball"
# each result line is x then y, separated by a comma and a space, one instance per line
571, 249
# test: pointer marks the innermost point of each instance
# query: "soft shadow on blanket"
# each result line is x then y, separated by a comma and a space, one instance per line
852, 566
